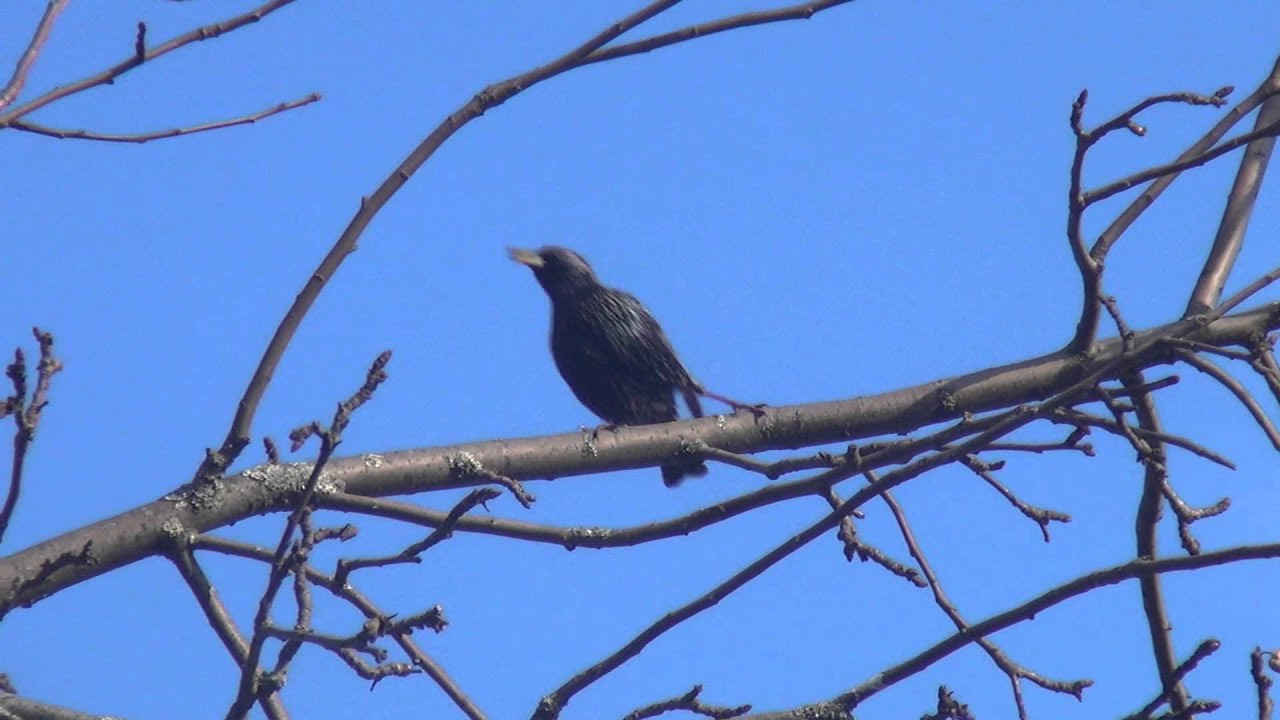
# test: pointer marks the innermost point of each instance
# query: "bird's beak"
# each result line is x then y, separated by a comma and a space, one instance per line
525, 257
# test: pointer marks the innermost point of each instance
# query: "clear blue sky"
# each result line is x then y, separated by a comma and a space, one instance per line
868, 200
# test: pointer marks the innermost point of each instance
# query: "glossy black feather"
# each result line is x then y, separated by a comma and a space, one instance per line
611, 351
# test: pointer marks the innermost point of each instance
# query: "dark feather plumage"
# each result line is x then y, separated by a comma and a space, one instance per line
610, 351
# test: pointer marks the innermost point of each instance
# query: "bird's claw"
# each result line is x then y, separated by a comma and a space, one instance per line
595, 433
757, 409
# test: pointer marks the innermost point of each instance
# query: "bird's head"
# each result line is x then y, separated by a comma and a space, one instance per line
560, 271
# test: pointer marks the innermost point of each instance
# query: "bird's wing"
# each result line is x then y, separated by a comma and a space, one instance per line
640, 345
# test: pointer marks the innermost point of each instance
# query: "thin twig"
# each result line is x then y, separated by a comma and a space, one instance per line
304, 609
1204, 650
688, 702
1071, 442
1090, 268
1015, 671
803, 11
467, 468
162, 134
1261, 682
1041, 516
1055, 596
1262, 358
771, 470
1234, 386
26, 414
1125, 119
217, 614
1122, 328
329, 440
853, 547
1146, 521
1095, 196
1149, 386
413, 553
401, 635
1080, 418
1196, 346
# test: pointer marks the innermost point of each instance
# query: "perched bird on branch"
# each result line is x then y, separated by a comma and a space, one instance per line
612, 353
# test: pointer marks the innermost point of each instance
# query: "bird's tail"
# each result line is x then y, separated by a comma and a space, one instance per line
690, 393
673, 475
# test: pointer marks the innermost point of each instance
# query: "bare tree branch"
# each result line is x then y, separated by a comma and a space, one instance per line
28, 58
400, 633
329, 439
49, 567
1155, 478
140, 55
803, 11
1090, 265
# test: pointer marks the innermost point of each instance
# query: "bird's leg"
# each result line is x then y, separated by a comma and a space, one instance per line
757, 409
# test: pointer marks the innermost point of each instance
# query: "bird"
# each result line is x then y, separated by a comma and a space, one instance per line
611, 351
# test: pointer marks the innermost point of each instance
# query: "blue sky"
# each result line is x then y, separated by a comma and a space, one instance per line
815, 210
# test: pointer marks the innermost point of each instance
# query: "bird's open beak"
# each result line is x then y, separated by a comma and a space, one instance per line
525, 257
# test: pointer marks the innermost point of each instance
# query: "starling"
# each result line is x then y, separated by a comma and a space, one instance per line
610, 351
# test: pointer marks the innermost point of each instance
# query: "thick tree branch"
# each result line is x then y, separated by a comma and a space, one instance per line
1239, 208
49, 567
20, 708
